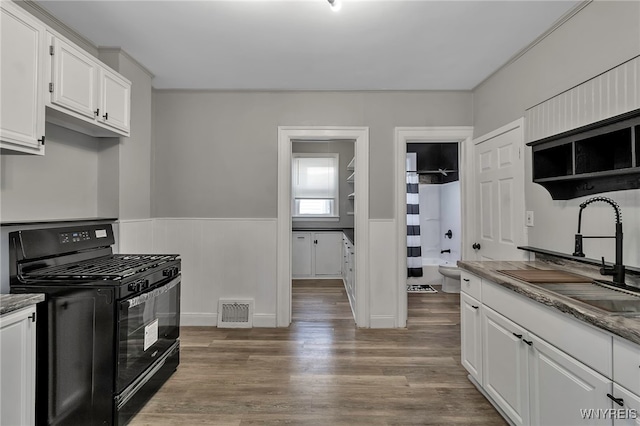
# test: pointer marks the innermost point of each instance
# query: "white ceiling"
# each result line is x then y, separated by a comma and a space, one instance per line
303, 45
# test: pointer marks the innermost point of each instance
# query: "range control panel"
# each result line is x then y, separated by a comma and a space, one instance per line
77, 236
74, 237
36, 243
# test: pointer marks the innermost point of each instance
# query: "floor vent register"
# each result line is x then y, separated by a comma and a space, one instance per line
235, 313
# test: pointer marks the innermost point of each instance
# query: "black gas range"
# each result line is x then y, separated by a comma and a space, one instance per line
108, 331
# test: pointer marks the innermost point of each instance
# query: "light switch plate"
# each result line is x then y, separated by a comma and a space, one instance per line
529, 218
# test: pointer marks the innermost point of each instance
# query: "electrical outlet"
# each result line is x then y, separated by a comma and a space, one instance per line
529, 218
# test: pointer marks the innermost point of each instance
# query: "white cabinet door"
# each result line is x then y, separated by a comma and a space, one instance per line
22, 43
471, 335
18, 367
301, 254
561, 387
75, 75
328, 256
629, 411
115, 100
505, 365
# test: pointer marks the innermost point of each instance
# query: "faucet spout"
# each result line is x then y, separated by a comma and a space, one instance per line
617, 270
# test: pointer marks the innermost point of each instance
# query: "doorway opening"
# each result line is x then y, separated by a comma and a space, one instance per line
287, 136
432, 139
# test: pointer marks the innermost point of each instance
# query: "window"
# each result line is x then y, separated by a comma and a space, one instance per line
314, 183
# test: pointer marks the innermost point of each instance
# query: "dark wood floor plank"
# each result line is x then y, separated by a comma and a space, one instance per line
322, 370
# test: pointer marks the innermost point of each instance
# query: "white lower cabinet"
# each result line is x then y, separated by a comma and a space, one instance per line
628, 408
536, 382
316, 254
505, 356
18, 367
562, 389
471, 335
349, 270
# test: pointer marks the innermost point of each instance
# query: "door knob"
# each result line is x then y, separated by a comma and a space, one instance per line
476, 246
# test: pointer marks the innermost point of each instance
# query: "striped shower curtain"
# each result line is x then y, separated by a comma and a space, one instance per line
414, 251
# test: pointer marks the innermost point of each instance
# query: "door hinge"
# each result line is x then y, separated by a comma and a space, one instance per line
51, 50
50, 87
33, 317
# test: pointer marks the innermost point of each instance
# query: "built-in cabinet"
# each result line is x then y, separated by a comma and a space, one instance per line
45, 77
95, 99
316, 254
18, 367
22, 79
349, 270
596, 158
540, 367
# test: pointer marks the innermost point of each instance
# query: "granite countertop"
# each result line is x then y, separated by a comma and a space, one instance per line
626, 326
13, 302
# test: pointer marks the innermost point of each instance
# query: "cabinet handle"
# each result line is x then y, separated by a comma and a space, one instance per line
618, 401
32, 317
300, 238
530, 343
475, 307
106, 116
315, 241
465, 279
41, 140
519, 336
97, 112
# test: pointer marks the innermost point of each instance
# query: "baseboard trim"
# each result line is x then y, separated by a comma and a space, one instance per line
382, 321
206, 319
199, 319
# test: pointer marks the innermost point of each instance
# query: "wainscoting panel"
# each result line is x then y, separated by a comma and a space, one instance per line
135, 236
383, 289
222, 258
609, 94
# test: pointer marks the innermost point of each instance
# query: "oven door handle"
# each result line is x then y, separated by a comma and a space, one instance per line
151, 294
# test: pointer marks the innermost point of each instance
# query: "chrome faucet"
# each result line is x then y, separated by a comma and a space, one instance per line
617, 270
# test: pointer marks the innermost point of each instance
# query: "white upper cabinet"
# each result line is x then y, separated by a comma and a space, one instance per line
86, 95
22, 43
115, 100
74, 75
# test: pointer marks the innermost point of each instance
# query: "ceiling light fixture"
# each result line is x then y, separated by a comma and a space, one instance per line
335, 4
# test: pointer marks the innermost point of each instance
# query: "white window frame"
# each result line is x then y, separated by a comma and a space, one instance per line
336, 211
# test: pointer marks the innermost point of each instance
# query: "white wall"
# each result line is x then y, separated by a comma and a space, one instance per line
451, 219
601, 36
440, 210
61, 184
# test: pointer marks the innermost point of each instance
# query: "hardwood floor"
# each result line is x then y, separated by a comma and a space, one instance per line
322, 370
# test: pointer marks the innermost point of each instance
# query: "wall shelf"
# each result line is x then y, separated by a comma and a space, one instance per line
600, 157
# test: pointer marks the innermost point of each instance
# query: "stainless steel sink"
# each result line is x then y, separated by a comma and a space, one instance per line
598, 294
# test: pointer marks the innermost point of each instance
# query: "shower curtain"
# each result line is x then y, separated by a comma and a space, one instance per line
414, 251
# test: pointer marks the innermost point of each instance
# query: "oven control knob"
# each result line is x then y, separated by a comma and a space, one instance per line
145, 284
170, 272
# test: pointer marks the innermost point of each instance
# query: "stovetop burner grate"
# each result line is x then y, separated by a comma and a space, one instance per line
116, 266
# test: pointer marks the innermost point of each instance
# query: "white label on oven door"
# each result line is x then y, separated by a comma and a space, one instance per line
101, 233
150, 334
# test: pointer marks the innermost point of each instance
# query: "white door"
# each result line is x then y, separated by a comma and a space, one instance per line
115, 100
630, 405
301, 254
18, 367
471, 335
74, 79
561, 387
22, 42
505, 370
328, 255
499, 194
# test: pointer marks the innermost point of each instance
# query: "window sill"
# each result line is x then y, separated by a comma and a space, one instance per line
315, 219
